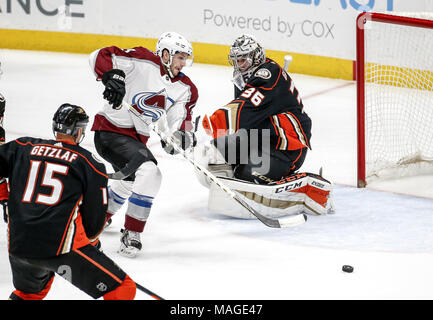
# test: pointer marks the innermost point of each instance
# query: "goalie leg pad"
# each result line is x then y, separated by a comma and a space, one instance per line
316, 191
300, 193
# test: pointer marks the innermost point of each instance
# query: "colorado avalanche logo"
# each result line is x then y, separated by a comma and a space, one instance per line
150, 99
151, 104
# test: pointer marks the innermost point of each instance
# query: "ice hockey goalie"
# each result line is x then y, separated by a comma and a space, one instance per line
259, 142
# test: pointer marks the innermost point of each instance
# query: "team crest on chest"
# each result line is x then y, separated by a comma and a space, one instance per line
150, 99
263, 73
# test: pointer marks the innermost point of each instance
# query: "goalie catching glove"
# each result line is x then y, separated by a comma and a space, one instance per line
187, 140
114, 82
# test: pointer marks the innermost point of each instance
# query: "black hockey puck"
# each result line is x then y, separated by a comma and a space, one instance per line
347, 268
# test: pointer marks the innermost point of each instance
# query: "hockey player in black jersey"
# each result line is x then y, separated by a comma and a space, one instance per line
260, 140
267, 104
57, 205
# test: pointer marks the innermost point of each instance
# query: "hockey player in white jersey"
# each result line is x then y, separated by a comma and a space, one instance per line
146, 81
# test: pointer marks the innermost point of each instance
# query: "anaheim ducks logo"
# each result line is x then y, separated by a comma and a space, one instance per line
263, 73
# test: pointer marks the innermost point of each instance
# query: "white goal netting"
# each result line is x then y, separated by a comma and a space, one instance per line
398, 99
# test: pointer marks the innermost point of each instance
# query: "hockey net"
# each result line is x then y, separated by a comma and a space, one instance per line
395, 95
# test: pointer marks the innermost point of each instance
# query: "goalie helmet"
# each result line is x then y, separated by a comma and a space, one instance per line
246, 54
173, 43
68, 119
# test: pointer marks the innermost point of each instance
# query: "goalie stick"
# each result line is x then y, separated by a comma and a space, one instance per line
289, 221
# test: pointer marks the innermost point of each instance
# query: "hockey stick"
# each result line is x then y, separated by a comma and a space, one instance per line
287, 61
147, 291
289, 221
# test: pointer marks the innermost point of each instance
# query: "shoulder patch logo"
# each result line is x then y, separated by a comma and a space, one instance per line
263, 73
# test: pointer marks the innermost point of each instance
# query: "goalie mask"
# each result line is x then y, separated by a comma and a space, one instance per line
173, 43
246, 54
68, 119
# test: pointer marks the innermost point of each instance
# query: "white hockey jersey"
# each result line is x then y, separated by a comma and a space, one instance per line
146, 83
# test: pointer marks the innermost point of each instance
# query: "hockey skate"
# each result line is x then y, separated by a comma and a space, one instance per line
130, 243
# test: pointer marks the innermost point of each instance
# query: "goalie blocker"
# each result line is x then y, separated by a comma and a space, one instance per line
299, 193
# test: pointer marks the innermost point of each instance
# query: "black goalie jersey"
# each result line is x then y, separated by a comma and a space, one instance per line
58, 196
269, 101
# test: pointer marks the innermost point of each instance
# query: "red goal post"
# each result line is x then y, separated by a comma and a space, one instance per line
394, 92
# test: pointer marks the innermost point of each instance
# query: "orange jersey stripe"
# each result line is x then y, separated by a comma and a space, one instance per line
295, 135
67, 225
302, 130
238, 115
97, 265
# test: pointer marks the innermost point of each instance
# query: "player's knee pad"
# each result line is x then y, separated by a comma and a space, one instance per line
148, 179
126, 291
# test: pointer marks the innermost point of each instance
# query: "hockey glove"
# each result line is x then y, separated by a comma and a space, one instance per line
114, 82
187, 140
4, 197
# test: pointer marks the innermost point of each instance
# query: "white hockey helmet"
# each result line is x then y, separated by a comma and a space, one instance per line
248, 49
173, 43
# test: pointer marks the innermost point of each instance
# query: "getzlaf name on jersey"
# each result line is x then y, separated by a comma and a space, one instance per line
146, 83
269, 101
47, 179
